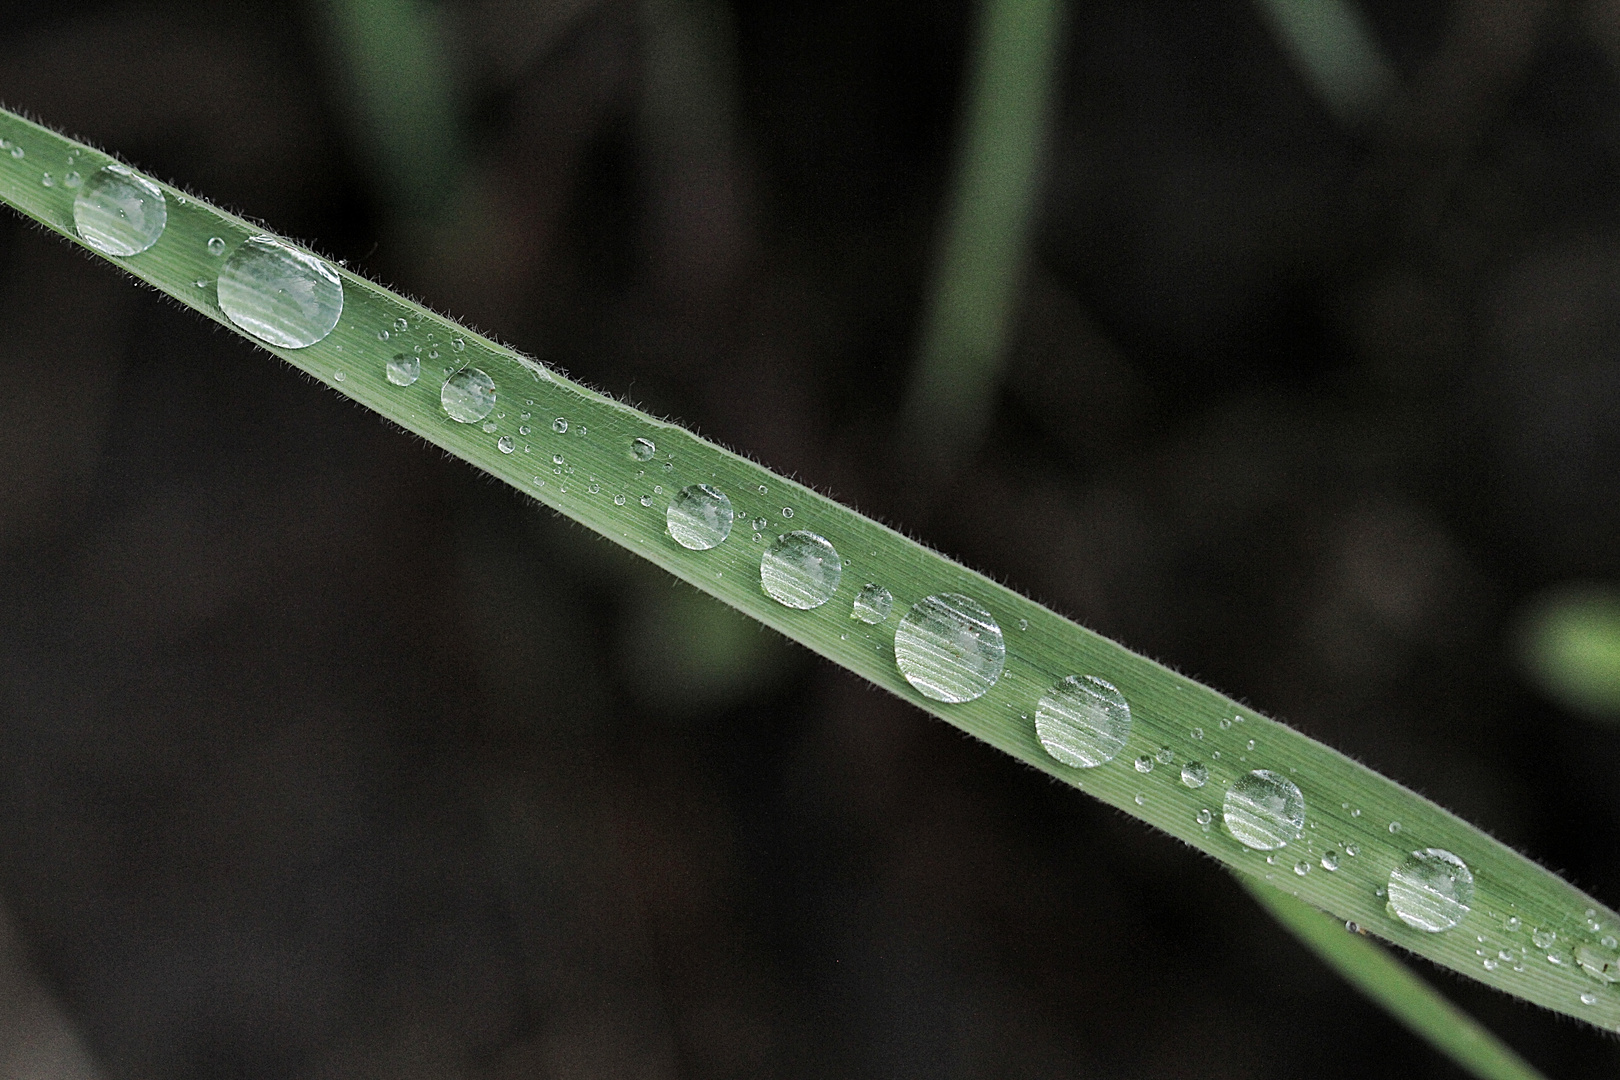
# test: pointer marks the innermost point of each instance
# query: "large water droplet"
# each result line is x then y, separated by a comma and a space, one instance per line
468, 395
800, 570
949, 648
1264, 810
403, 369
1431, 890
120, 213
872, 604
699, 517
1083, 721
643, 449
280, 294
1195, 774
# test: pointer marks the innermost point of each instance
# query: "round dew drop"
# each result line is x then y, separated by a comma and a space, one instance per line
468, 396
403, 369
505, 444
118, 212
699, 517
559, 425
800, 570
1205, 817
643, 449
1431, 890
1144, 764
949, 648
216, 246
279, 294
1195, 774
1302, 868
1083, 721
872, 604
73, 180
1264, 810
1164, 756
1330, 860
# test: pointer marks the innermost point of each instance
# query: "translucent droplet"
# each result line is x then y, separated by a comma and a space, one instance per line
1226, 722
18, 152
760, 524
1512, 925
468, 396
461, 346
118, 212
949, 648
800, 570
594, 488
1431, 890
505, 444
1544, 938
1144, 764
1330, 860
279, 294
1352, 850
872, 604
1356, 812
1264, 810
559, 425
433, 354
1204, 816
1195, 774
340, 376
1083, 721
763, 490
402, 369
1588, 999
216, 245
1609, 942
523, 429
489, 428
1394, 827
1198, 733
1489, 963
1302, 868
1141, 800
1353, 927
1164, 755
646, 500
382, 335
699, 517
643, 449
48, 180
402, 324
1251, 744
1023, 624
618, 500
1599, 963
72, 180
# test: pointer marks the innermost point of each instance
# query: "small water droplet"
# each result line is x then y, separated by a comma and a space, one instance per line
340, 376
1198, 733
1489, 963
595, 488
646, 500
1431, 890
658, 489
1544, 938
787, 512
763, 490
559, 425
1352, 850
1226, 722
468, 396
1141, 801
216, 246
619, 500
433, 354
872, 604
461, 346
118, 212
1512, 926
1204, 817
47, 180
489, 428
1330, 860
1264, 810
1380, 892
523, 429
402, 324
1352, 926
1302, 868
382, 335
505, 444
643, 449
800, 570
1394, 827
1195, 774
18, 152
73, 180
1589, 999
1164, 756
200, 283
949, 648
1356, 812
582, 430
402, 369
668, 466
1023, 624
1251, 744
699, 517
279, 294
1144, 764
1083, 721
1609, 942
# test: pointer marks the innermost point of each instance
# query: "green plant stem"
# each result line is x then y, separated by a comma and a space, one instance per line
573, 449
985, 244
1387, 981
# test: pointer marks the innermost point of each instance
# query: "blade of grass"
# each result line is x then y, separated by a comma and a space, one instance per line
1332, 46
615, 469
987, 225
1384, 979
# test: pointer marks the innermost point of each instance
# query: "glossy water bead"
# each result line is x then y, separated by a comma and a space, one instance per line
1264, 810
1431, 890
120, 213
949, 648
279, 294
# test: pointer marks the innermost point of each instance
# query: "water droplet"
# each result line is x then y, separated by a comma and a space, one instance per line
523, 429
340, 376
1505, 954
1226, 722
382, 335
505, 444
1608, 942
1264, 810
489, 428
668, 466
402, 369
643, 449
48, 180
118, 212
433, 354
1356, 812
279, 294
1431, 890
1141, 801
872, 604
1394, 827
1489, 963
1023, 624
468, 396
949, 648
1544, 938
594, 488
1598, 963
658, 489
1330, 860
1512, 926
1144, 764
1083, 721
402, 324
763, 490
216, 246
787, 512
619, 500
582, 430
18, 152
1352, 926
1164, 756
1588, 999
1204, 817
1195, 774
1352, 850
559, 425
699, 516
800, 570
1251, 744
1302, 868
200, 283
1198, 733
646, 500
72, 180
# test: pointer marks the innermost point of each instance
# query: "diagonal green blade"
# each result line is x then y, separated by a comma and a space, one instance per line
1262, 798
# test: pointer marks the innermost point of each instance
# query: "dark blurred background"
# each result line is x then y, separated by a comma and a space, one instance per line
321, 757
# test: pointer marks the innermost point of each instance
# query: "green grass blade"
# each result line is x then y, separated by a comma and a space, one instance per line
988, 221
1569, 645
1373, 971
576, 451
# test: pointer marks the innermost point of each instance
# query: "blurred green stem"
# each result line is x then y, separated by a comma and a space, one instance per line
985, 242
1332, 46
1392, 985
